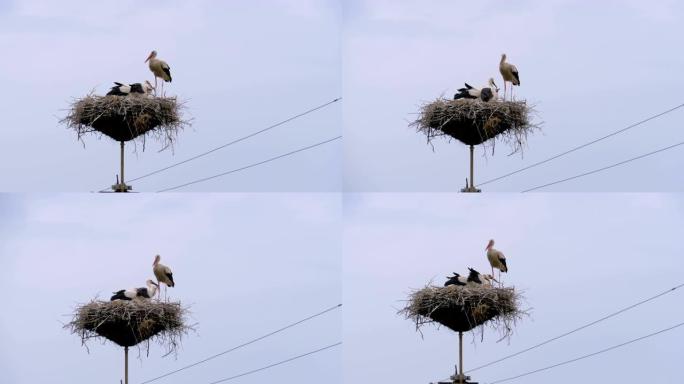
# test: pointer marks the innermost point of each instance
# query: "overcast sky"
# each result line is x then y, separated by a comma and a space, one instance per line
241, 66
576, 257
246, 264
590, 68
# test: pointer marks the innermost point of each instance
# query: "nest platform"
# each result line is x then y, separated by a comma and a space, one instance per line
124, 118
128, 323
462, 308
474, 122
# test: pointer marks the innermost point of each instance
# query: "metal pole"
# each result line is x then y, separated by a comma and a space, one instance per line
126, 365
460, 340
123, 183
472, 180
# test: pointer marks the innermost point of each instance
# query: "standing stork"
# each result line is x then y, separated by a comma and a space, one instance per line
162, 273
160, 69
509, 73
496, 258
137, 293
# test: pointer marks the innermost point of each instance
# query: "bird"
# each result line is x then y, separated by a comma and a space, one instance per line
490, 92
474, 277
456, 279
160, 69
469, 92
136, 293
509, 73
131, 89
162, 273
486, 93
496, 258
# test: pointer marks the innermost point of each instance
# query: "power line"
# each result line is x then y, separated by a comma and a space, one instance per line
237, 140
582, 146
606, 167
243, 344
252, 165
589, 355
580, 328
276, 364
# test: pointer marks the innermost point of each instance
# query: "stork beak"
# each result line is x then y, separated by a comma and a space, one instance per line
148, 58
157, 285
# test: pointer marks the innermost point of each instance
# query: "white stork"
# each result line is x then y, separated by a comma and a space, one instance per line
509, 73
131, 89
160, 69
136, 293
496, 258
456, 279
162, 273
486, 93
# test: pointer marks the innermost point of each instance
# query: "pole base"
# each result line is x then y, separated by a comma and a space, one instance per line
471, 190
121, 187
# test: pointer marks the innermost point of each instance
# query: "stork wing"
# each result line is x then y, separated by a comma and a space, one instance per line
514, 71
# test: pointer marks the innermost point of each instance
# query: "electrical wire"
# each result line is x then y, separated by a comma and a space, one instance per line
589, 355
276, 364
582, 146
251, 165
579, 328
604, 168
234, 141
244, 344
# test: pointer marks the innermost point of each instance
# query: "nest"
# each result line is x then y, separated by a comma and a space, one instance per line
128, 323
473, 122
127, 118
462, 308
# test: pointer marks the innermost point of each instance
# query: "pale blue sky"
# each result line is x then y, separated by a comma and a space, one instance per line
577, 257
241, 66
247, 265
590, 67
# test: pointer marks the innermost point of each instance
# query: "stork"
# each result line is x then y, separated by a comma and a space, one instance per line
509, 73
469, 92
131, 89
490, 92
136, 293
474, 277
160, 69
456, 279
496, 258
162, 273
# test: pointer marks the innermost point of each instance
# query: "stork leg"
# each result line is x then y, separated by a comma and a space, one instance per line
155, 85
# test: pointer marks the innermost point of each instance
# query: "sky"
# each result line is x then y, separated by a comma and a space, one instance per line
245, 264
239, 67
575, 258
590, 68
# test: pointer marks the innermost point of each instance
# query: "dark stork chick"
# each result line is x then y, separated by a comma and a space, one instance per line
456, 279
469, 92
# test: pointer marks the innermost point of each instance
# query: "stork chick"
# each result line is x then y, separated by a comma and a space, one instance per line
136, 293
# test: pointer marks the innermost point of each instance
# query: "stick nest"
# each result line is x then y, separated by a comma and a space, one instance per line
128, 323
127, 118
473, 122
462, 308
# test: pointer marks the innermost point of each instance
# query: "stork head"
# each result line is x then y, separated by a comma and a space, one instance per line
147, 87
152, 55
503, 56
150, 282
490, 277
492, 84
490, 244
156, 260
